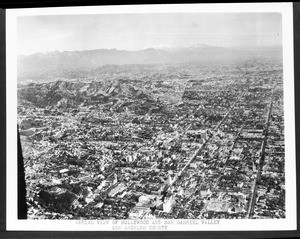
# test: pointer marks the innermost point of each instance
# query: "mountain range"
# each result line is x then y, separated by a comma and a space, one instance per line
61, 94
39, 64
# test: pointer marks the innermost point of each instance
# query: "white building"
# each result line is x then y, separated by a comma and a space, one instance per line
167, 206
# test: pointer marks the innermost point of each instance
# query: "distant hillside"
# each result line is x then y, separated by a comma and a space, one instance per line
62, 94
37, 65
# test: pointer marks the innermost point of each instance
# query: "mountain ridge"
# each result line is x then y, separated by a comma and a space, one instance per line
38, 64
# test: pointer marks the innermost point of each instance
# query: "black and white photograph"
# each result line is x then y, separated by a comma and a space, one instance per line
161, 118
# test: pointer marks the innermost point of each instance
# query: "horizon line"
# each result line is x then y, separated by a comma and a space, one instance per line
156, 48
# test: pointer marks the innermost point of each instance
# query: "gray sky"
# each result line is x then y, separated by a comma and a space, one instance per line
139, 31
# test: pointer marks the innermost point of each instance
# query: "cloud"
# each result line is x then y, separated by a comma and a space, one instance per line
159, 46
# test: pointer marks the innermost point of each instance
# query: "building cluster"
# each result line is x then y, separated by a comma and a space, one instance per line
183, 145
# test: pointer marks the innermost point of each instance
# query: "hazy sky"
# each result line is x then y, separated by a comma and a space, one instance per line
139, 31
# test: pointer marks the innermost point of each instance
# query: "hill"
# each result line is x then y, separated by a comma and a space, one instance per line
91, 62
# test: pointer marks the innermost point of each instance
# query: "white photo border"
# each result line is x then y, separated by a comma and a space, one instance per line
289, 223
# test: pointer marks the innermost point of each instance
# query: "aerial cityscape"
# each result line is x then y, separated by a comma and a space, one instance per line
172, 133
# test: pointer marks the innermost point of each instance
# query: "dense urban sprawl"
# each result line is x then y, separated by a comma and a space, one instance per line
185, 141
